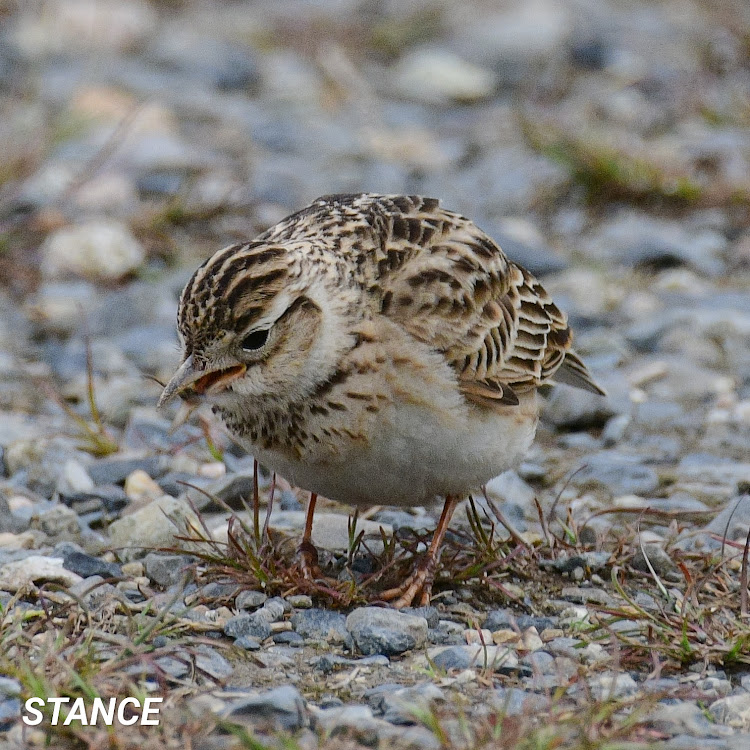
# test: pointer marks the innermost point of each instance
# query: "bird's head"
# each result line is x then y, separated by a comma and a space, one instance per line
255, 324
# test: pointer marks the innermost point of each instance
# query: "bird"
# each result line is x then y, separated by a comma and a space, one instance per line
375, 350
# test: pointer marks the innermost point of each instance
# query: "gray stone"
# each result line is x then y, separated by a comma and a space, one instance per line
212, 663
402, 705
321, 625
288, 638
618, 473
280, 708
248, 643
612, 685
166, 570
685, 717
250, 599
658, 559
379, 640
116, 470
155, 525
330, 530
35, 569
516, 702
300, 601
732, 711
273, 610
88, 565
707, 468
496, 658
247, 625
385, 631
436, 76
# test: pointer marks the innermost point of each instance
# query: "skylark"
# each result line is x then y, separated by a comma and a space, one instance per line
377, 350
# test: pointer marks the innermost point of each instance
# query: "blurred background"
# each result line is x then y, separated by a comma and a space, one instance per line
604, 143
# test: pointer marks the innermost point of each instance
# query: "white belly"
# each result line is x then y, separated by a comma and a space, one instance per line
416, 454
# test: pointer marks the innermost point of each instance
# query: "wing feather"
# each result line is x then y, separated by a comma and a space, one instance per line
456, 290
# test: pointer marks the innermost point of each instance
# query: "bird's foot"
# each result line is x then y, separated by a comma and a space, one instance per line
307, 559
416, 590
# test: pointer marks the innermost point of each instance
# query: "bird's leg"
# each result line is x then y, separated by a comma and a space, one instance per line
307, 554
418, 586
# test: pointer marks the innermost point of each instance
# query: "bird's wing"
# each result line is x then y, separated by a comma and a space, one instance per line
449, 285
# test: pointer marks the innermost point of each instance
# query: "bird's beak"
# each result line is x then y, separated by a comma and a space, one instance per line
190, 380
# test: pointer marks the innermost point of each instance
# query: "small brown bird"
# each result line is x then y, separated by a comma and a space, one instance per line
377, 350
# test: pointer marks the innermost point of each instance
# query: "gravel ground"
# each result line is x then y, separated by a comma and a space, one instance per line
606, 145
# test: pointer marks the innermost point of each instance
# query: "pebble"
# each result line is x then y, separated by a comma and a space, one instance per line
86, 565
166, 570
300, 601
321, 625
250, 599
616, 473
732, 711
384, 631
154, 525
495, 658
245, 625
35, 569
97, 250
140, 486
438, 77
280, 708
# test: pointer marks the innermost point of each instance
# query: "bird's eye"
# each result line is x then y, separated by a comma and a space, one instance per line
255, 340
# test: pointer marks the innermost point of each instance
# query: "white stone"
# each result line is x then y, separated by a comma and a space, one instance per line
35, 569
74, 478
98, 250
439, 77
482, 636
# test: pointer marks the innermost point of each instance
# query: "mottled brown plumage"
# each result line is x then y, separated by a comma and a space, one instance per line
376, 349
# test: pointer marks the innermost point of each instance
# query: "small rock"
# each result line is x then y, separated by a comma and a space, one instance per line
100, 250
273, 610
212, 663
74, 478
35, 569
497, 658
281, 708
86, 565
517, 702
658, 559
437, 76
288, 638
139, 486
166, 570
116, 470
385, 631
250, 599
612, 685
300, 601
321, 625
248, 643
733, 711
618, 473
478, 636
155, 525
530, 640
247, 625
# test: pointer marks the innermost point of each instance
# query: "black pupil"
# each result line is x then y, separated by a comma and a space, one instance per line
255, 340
